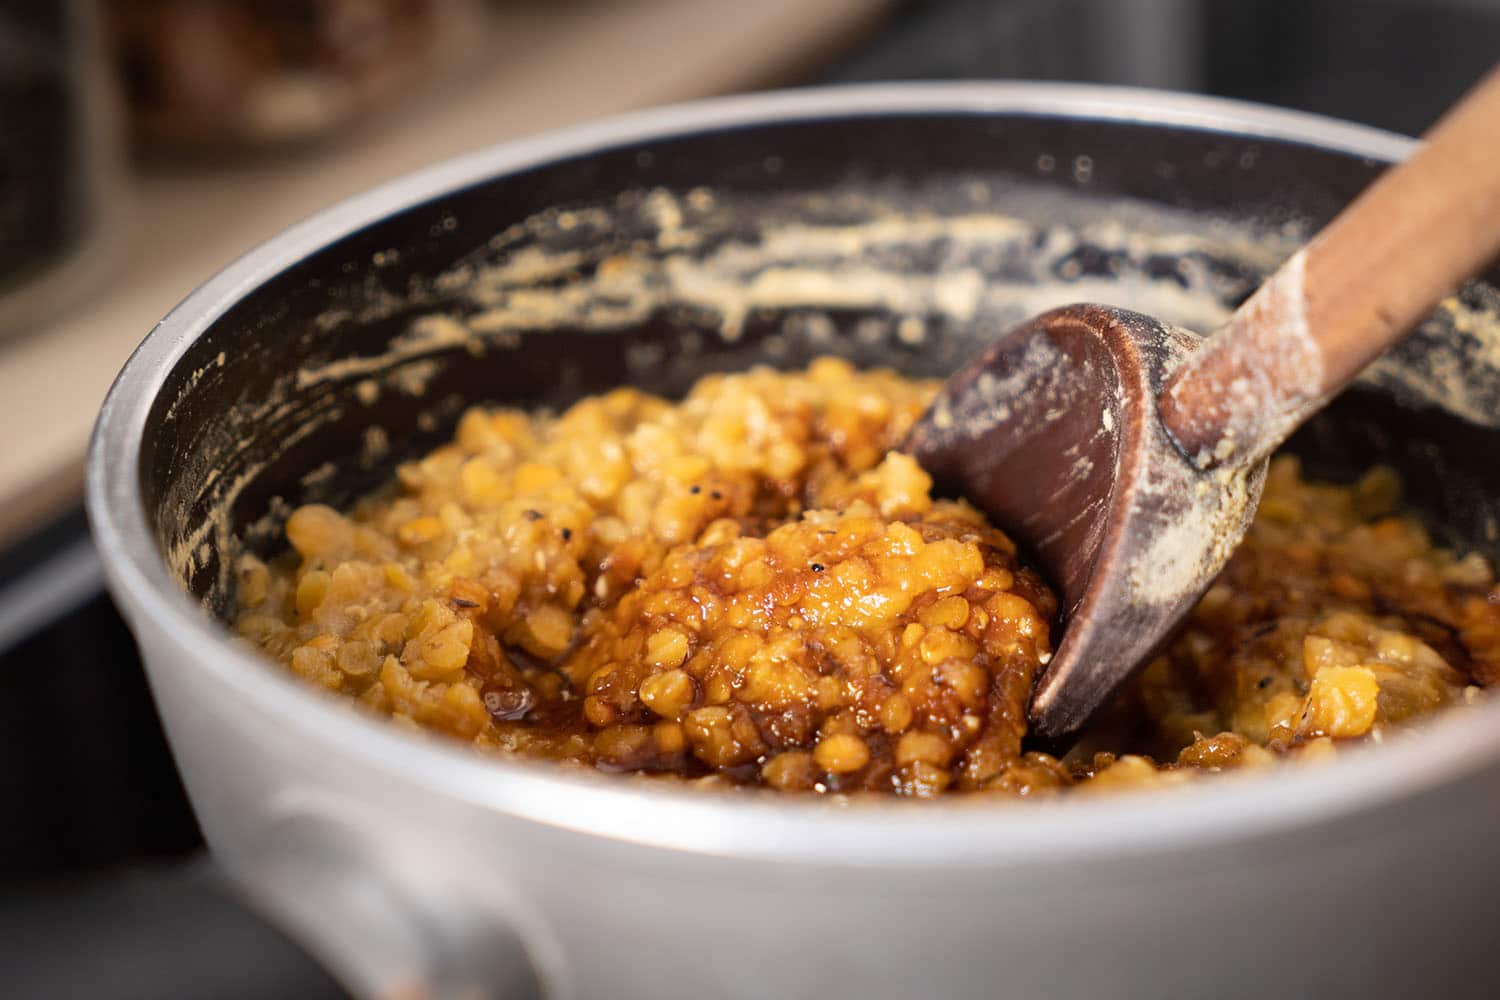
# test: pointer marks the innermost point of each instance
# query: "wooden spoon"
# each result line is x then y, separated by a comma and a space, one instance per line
1128, 456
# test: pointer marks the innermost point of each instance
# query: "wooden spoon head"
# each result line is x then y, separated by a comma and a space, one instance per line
1054, 433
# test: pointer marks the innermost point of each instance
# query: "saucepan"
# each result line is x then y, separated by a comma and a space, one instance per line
895, 225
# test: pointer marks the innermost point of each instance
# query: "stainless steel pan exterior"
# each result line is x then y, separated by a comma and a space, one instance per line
415, 868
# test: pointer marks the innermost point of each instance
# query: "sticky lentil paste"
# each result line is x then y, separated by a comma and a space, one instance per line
752, 586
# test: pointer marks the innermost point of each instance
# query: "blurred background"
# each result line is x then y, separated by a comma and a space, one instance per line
146, 143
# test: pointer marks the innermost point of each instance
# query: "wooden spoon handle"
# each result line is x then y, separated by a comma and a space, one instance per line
1335, 305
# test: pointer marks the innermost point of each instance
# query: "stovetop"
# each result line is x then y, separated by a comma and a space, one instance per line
88, 775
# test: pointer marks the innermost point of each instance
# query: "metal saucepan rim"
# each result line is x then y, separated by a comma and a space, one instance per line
762, 826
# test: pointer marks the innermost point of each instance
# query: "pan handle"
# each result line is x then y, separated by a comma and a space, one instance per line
305, 920
383, 932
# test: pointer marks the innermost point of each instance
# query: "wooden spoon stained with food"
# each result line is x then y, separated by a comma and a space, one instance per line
1128, 456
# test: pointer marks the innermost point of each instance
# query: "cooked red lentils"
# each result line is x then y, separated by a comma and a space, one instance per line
753, 587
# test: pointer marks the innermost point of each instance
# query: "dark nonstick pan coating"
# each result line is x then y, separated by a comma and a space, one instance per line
236, 438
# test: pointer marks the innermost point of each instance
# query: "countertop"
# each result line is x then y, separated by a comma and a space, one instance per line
546, 65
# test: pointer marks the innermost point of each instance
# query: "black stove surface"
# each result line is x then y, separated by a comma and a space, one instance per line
83, 748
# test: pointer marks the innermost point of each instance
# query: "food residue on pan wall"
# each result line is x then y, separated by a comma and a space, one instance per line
1456, 364
943, 266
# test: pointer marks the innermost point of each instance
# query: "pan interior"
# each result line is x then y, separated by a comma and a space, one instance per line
906, 241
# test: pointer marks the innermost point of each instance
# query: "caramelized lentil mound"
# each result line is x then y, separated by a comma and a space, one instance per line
752, 587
